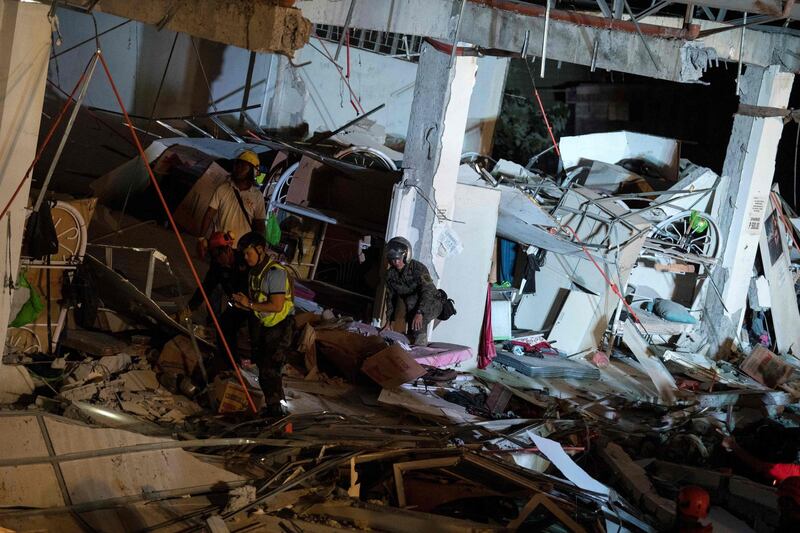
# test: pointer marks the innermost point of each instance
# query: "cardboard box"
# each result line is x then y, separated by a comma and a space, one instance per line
391, 367
765, 367
229, 395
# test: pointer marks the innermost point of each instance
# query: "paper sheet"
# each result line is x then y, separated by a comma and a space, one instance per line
577, 475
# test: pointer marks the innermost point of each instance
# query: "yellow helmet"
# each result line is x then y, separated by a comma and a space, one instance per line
250, 157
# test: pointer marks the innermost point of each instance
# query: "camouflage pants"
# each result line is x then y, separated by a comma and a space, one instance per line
270, 346
420, 337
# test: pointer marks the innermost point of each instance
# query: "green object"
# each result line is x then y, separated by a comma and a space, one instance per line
30, 309
260, 179
273, 234
698, 223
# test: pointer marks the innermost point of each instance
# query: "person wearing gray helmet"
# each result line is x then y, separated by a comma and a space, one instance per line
409, 280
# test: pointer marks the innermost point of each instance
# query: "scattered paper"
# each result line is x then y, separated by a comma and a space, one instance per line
577, 475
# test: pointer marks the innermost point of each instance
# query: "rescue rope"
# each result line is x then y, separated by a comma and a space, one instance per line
613, 286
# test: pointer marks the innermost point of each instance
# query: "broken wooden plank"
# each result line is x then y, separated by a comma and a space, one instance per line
93, 342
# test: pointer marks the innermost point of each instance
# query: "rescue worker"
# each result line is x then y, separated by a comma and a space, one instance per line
775, 472
226, 275
692, 506
789, 504
237, 205
271, 304
409, 280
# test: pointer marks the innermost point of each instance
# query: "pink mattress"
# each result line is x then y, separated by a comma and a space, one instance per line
441, 354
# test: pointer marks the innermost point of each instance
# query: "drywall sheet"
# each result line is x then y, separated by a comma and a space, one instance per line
615, 146
465, 275
777, 270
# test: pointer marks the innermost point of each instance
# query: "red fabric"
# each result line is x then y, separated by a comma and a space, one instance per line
486, 349
781, 471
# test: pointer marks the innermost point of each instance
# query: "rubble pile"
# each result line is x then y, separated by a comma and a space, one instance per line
599, 393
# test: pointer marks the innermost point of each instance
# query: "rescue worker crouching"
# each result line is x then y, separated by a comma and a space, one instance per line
409, 280
271, 303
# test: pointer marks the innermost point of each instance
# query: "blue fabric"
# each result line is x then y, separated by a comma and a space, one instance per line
672, 311
508, 256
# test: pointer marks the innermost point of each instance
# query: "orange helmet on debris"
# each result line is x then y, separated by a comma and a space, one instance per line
790, 488
218, 239
693, 502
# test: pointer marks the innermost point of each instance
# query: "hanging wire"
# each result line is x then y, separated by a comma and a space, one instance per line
796, 141
149, 123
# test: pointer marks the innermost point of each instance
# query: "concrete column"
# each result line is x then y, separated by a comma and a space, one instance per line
749, 165
433, 153
24, 52
485, 105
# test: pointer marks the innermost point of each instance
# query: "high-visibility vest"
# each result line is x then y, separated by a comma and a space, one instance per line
259, 296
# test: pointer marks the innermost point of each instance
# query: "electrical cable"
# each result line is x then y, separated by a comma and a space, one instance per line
544, 114
71, 48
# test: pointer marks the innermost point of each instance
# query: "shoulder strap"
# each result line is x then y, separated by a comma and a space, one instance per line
241, 205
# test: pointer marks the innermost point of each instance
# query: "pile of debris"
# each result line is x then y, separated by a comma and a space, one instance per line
598, 398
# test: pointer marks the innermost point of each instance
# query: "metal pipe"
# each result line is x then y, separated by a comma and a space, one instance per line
345, 29
456, 32
739, 64
342, 128
641, 36
67, 130
248, 81
544, 38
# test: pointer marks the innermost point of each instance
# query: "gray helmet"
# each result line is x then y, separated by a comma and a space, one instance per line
398, 248
253, 238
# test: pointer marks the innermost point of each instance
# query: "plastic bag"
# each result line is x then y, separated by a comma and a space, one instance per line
30, 309
273, 234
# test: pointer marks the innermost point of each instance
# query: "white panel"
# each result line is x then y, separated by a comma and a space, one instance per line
465, 275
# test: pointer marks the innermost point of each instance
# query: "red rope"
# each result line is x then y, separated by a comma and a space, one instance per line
547, 122
353, 101
47, 140
177, 234
608, 281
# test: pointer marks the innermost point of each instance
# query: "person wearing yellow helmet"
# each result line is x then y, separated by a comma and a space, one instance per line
237, 205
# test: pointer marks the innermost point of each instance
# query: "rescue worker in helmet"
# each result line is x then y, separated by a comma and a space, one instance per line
692, 507
226, 275
270, 301
409, 280
237, 205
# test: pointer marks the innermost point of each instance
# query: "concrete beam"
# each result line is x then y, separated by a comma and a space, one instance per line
258, 25
572, 36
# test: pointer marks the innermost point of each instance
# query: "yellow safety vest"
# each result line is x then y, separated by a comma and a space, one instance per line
256, 294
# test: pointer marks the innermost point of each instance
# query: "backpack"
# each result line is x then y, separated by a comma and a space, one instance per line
41, 238
448, 305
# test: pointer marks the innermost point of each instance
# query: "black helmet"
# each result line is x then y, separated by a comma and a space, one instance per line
398, 248
253, 238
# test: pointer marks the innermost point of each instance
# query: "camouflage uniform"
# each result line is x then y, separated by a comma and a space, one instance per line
415, 287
